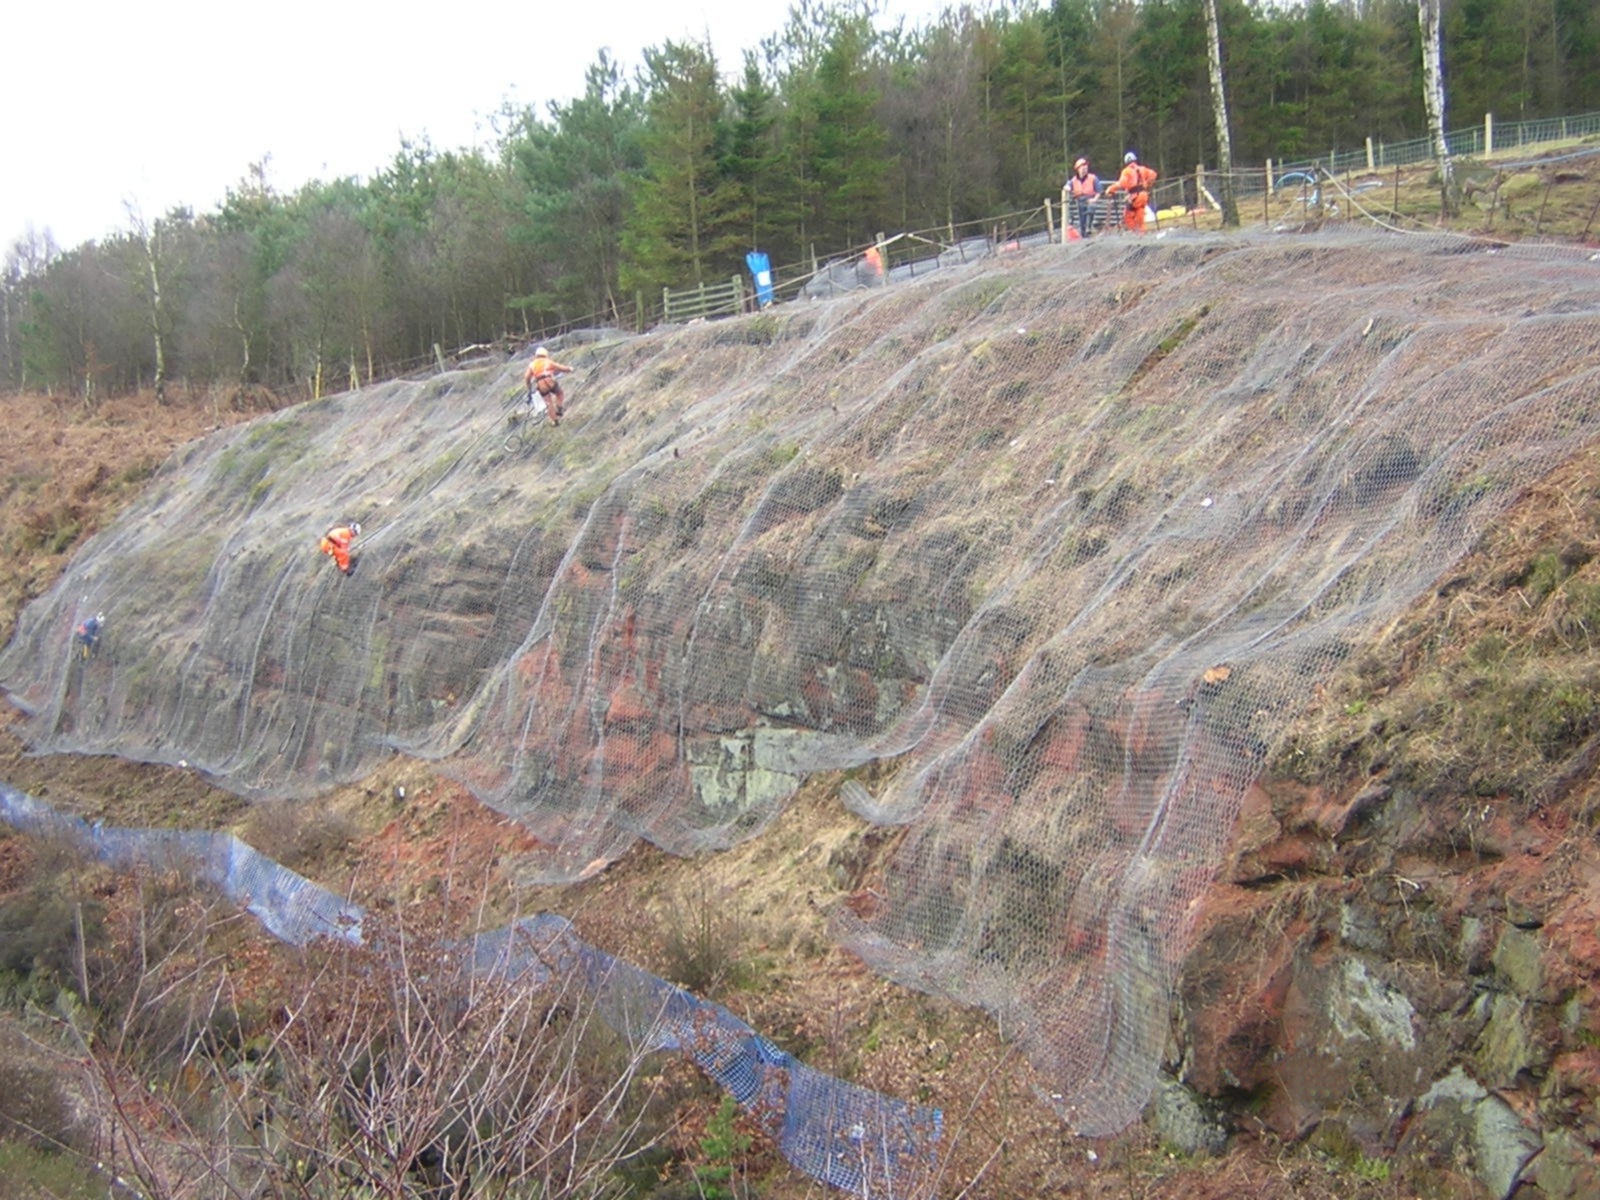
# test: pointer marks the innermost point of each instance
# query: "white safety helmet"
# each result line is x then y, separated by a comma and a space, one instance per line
1129, 157
541, 352
355, 528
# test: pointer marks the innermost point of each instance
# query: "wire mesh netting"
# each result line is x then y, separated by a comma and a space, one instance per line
1070, 532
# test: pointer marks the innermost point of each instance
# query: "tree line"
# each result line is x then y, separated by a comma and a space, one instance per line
834, 127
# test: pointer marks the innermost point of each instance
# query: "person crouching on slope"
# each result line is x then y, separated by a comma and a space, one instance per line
337, 543
541, 377
1135, 182
87, 635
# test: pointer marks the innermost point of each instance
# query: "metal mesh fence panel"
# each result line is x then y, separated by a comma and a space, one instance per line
1069, 532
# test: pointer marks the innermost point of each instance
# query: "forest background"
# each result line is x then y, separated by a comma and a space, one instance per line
831, 130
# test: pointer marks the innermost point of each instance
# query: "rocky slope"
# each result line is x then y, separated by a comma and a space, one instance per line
1173, 439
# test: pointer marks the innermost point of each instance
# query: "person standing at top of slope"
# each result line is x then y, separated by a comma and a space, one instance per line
1084, 188
541, 377
1134, 182
337, 542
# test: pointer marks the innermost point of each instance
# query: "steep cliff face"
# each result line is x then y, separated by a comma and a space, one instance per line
1400, 955
1069, 537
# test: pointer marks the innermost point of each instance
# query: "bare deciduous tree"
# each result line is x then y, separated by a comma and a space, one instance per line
149, 238
397, 1069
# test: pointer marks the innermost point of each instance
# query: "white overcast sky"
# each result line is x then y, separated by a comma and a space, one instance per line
162, 103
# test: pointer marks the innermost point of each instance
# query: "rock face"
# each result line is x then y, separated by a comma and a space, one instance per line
1438, 1008
1070, 537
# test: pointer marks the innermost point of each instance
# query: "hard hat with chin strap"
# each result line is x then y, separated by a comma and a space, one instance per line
1129, 157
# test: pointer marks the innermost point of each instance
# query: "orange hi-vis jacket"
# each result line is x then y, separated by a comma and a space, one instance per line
542, 372
1135, 180
1083, 187
337, 543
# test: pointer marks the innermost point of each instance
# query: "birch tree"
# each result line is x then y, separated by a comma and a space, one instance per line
1219, 110
149, 241
1428, 18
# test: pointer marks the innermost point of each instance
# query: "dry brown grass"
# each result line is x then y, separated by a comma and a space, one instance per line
1490, 684
69, 468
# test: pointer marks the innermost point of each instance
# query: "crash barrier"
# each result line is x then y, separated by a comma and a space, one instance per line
1052, 550
847, 1136
291, 907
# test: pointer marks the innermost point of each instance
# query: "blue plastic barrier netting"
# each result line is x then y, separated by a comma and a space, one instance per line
847, 1136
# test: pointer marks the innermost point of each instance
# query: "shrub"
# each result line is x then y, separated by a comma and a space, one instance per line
33, 1109
302, 836
703, 941
42, 921
27, 1171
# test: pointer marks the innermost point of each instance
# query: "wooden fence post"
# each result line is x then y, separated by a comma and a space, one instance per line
1266, 197
1370, 165
1587, 225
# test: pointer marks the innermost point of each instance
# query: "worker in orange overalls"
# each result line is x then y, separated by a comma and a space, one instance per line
337, 543
874, 260
541, 377
1134, 182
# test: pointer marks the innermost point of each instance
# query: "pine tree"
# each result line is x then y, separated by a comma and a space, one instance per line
847, 152
574, 178
685, 219
751, 162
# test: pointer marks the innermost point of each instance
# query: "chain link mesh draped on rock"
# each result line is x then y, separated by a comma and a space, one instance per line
1074, 531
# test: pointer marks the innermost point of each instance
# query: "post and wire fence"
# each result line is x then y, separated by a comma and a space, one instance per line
1295, 191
